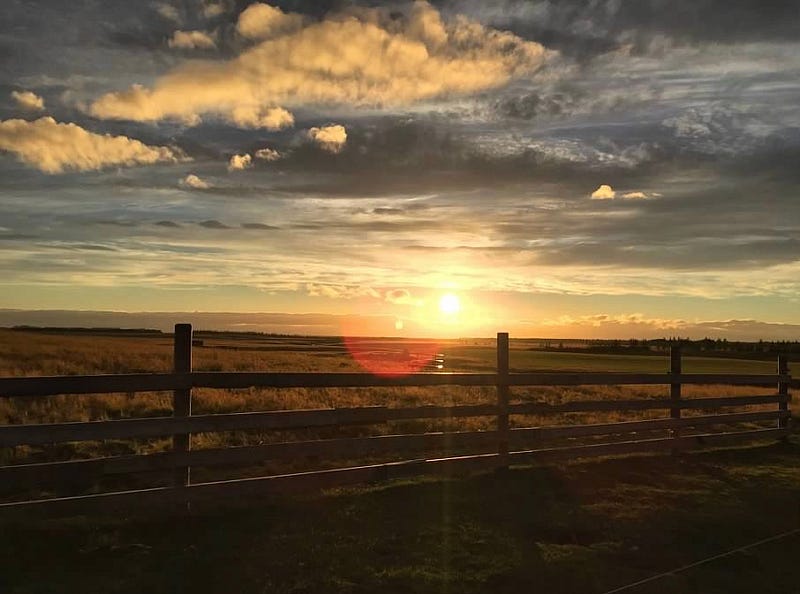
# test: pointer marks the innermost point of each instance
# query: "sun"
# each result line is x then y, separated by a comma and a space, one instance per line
449, 304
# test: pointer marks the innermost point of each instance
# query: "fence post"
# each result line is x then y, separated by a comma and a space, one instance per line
503, 393
182, 399
783, 390
675, 369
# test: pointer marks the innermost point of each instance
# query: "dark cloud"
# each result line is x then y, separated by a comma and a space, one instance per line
584, 28
260, 226
213, 224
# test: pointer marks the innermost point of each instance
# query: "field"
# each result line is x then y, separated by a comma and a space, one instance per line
578, 527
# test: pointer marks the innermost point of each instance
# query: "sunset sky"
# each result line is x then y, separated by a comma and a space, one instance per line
571, 168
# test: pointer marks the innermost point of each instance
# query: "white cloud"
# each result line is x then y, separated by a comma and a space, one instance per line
239, 162
634, 195
268, 154
192, 40
194, 182
604, 192
330, 138
253, 116
260, 21
168, 12
28, 100
361, 57
53, 147
213, 10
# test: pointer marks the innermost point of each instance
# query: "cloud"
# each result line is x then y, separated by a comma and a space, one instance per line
253, 116
194, 182
53, 147
638, 325
192, 40
260, 21
213, 224
333, 291
212, 10
240, 162
330, 138
364, 57
168, 12
28, 100
401, 297
267, 154
604, 192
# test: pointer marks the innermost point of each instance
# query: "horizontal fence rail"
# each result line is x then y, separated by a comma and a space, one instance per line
508, 444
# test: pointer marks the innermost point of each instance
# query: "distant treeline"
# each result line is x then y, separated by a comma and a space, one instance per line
707, 347
90, 331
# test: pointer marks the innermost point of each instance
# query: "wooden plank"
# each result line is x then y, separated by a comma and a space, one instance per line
336, 380
182, 399
643, 446
536, 408
565, 431
783, 390
13, 435
155, 382
93, 384
606, 378
503, 397
309, 481
440, 412
84, 471
675, 370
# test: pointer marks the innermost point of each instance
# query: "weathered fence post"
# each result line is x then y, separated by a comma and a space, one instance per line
503, 393
783, 390
182, 399
675, 369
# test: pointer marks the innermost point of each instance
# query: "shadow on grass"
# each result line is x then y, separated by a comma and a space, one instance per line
584, 527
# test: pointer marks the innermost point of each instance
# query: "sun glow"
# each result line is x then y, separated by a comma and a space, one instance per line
449, 304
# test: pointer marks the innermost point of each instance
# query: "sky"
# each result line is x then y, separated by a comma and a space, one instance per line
572, 168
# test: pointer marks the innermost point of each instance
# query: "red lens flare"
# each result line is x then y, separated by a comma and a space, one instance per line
395, 357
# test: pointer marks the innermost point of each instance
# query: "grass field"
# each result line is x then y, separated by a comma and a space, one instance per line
576, 527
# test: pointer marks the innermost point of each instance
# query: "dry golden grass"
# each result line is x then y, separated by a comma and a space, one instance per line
35, 354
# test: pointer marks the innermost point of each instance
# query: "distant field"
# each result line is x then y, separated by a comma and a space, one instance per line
34, 353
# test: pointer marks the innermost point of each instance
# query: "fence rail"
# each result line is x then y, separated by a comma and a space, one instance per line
489, 449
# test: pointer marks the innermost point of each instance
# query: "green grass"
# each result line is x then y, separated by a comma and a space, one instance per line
482, 358
574, 528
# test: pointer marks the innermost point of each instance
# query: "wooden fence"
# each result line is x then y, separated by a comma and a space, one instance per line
486, 449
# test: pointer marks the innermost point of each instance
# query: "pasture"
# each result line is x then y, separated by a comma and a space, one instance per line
576, 527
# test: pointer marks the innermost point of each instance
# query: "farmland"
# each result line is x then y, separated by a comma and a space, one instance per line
578, 527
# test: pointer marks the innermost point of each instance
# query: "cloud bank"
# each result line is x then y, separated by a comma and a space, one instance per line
359, 57
53, 147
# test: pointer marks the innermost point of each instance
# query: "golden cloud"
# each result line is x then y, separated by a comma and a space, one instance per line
358, 57
194, 182
53, 147
330, 138
259, 21
604, 192
192, 40
267, 154
239, 162
251, 116
28, 100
